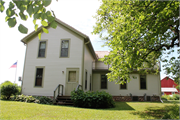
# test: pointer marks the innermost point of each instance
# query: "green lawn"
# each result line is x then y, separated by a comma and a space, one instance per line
123, 110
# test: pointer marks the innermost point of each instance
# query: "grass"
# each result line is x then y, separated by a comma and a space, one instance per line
123, 110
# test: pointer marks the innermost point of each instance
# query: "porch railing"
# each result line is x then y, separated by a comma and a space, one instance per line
58, 91
78, 86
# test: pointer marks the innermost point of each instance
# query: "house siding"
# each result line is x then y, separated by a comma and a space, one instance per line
88, 61
53, 64
133, 87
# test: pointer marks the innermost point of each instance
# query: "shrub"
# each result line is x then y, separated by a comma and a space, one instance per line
7, 89
45, 100
168, 97
33, 99
172, 112
92, 99
23, 98
176, 97
164, 97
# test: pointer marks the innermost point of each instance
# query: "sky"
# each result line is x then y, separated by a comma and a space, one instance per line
77, 13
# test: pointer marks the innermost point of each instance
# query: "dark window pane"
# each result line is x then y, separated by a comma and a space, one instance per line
42, 48
90, 83
103, 82
39, 76
123, 86
64, 48
142, 82
72, 76
86, 81
64, 52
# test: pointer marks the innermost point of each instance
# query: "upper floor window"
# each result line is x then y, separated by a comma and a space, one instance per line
123, 86
64, 48
103, 82
42, 49
143, 82
39, 77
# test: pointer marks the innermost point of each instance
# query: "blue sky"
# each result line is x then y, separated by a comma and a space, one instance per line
77, 13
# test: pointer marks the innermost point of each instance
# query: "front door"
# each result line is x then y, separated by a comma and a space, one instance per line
72, 80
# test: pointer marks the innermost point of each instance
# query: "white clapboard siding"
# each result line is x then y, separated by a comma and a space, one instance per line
55, 67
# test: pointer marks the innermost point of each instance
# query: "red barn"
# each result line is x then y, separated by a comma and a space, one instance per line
168, 86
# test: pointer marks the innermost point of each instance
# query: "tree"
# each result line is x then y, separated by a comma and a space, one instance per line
22, 8
138, 33
7, 89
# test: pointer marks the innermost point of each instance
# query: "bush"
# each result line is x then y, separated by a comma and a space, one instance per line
92, 99
45, 100
176, 97
168, 97
33, 99
172, 112
23, 98
164, 97
7, 89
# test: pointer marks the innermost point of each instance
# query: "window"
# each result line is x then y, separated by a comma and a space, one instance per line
64, 48
42, 49
86, 81
103, 82
72, 76
90, 83
123, 86
39, 77
142, 81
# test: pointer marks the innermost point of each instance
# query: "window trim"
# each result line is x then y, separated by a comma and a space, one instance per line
77, 74
123, 89
42, 76
39, 47
68, 47
106, 83
140, 83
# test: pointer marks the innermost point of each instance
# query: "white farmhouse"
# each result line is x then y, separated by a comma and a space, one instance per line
66, 56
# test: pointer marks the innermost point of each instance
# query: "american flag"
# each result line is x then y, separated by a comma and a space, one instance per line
14, 65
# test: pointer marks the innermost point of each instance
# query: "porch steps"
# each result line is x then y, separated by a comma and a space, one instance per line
64, 100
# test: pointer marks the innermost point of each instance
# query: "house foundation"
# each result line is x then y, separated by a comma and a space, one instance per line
136, 98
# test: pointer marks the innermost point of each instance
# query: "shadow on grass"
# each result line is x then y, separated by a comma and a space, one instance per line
120, 106
156, 112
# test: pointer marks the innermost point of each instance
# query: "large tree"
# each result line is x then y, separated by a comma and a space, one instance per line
21, 9
138, 34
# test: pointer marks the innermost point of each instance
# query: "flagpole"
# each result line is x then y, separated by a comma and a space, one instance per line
15, 72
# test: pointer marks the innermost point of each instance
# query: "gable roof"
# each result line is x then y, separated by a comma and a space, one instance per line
101, 54
86, 38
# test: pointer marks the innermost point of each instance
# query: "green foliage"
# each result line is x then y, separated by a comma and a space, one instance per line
7, 89
22, 8
45, 100
23, 98
138, 33
168, 97
33, 99
172, 112
176, 97
92, 99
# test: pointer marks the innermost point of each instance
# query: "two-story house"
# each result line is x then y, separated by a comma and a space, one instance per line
66, 56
